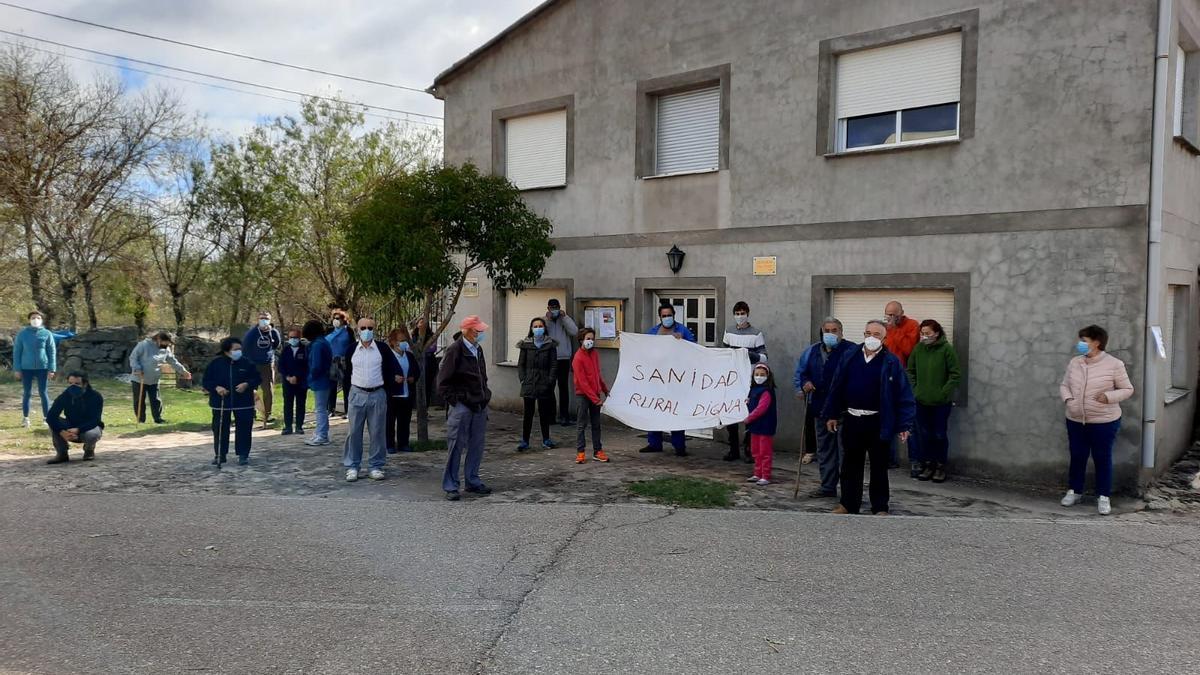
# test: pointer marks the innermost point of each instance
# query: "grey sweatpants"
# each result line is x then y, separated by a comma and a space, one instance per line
88, 438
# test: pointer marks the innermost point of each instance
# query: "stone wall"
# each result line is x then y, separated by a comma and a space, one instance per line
105, 352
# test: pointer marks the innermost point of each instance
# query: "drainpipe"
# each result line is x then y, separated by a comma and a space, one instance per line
1150, 386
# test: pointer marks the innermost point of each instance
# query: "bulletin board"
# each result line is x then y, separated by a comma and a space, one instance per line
606, 316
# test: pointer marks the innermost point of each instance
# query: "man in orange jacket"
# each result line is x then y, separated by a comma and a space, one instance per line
902, 337
903, 333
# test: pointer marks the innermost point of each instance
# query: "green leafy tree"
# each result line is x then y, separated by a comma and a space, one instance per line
417, 236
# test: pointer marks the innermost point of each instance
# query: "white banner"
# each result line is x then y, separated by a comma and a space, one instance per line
664, 384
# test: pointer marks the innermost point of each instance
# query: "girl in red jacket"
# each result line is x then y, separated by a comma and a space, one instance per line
591, 392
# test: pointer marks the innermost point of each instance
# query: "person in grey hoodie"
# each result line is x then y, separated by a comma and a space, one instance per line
562, 329
145, 362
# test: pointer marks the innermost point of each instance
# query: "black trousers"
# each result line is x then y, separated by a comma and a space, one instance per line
345, 388
860, 439
562, 377
295, 399
737, 441
399, 422
589, 415
243, 423
810, 429
147, 391
545, 410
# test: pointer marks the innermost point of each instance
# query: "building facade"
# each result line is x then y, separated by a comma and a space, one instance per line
987, 162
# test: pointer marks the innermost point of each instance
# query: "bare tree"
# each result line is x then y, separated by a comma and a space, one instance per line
80, 158
181, 247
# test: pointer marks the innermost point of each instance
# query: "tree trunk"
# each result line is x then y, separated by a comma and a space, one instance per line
36, 291
179, 308
422, 403
89, 301
68, 295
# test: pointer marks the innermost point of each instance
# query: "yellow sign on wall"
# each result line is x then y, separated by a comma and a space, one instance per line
765, 266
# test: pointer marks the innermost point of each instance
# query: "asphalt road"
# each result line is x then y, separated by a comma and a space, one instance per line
115, 583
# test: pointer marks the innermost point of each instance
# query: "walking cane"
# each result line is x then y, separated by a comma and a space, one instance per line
140, 408
222, 433
803, 449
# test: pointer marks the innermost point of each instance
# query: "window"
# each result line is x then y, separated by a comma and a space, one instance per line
535, 150
688, 137
697, 311
1180, 65
901, 94
520, 309
855, 307
1175, 335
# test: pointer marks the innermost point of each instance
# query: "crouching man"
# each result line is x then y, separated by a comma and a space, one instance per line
75, 417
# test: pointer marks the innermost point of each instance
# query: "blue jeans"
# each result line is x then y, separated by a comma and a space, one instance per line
465, 430
678, 441
322, 397
27, 377
829, 457
1095, 441
933, 440
367, 408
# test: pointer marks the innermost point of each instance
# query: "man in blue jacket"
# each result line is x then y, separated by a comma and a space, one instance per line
870, 390
260, 347
667, 325
814, 375
76, 417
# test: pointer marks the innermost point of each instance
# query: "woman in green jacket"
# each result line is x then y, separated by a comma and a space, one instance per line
933, 369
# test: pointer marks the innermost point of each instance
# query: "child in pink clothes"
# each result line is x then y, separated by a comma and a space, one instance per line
762, 423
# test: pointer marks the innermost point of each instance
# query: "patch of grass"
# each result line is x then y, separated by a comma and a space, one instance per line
694, 493
429, 446
184, 410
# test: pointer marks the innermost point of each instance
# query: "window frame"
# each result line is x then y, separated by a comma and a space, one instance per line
830, 138
843, 126
646, 128
501, 116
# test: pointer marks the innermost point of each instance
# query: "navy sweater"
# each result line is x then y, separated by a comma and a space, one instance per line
225, 372
897, 407
295, 365
81, 412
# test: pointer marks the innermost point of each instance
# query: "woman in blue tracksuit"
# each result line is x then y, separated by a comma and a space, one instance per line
668, 326
230, 382
35, 357
320, 361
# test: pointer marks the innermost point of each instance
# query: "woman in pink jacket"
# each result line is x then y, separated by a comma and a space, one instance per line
1093, 388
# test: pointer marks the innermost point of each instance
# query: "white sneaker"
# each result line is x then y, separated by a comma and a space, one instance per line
376, 474
317, 441
25, 422
763, 481
752, 479
1071, 499
351, 475
1104, 506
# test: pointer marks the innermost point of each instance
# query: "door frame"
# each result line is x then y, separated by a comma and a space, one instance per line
645, 287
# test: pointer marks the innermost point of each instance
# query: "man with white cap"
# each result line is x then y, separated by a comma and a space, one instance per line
462, 384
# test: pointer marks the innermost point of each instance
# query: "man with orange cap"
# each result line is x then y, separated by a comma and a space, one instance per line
462, 384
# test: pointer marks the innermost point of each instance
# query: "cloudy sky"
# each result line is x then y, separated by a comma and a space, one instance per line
404, 42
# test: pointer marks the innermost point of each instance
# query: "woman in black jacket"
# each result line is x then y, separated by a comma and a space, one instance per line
536, 369
230, 381
401, 395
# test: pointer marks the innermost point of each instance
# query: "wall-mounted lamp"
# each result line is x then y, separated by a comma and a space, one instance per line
675, 259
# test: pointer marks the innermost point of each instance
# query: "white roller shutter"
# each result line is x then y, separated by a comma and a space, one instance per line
688, 135
897, 77
521, 308
856, 307
536, 150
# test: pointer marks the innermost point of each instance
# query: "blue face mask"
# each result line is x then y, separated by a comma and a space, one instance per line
295, 342
479, 338
264, 323
235, 354
402, 346
539, 332
366, 335
1082, 348
668, 321
554, 313
830, 339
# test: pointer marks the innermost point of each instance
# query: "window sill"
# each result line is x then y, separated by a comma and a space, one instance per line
659, 176
884, 149
1187, 145
543, 188
1175, 394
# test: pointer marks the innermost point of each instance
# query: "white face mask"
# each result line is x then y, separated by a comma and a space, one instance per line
36, 322
588, 344
760, 379
337, 323
873, 344
742, 319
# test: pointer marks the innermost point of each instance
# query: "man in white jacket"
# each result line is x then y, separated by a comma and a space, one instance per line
145, 361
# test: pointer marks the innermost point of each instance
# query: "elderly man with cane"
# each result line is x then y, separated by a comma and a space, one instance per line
146, 361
